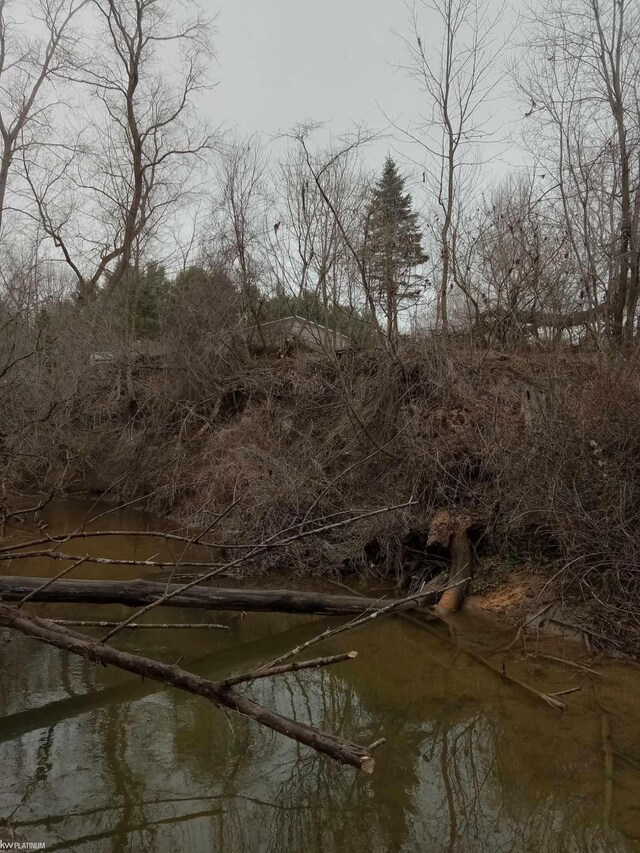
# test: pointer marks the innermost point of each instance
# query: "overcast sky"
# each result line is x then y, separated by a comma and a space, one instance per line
284, 61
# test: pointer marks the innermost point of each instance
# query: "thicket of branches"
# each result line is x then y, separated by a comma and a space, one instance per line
143, 253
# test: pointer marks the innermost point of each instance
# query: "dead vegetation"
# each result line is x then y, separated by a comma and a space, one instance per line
539, 454
136, 362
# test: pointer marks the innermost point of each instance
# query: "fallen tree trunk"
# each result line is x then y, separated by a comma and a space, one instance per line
103, 623
58, 710
344, 752
137, 593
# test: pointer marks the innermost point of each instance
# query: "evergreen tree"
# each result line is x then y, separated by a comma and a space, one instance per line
150, 289
137, 303
393, 246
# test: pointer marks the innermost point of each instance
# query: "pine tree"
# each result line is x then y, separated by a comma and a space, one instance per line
393, 246
150, 287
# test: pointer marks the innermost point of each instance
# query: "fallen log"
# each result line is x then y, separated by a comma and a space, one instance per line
342, 751
138, 593
103, 623
234, 657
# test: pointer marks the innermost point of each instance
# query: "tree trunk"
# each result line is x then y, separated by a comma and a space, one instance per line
451, 532
138, 593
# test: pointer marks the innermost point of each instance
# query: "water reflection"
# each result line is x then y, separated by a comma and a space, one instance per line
95, 760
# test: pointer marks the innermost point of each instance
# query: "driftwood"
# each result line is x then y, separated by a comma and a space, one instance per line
137, 593
342, 751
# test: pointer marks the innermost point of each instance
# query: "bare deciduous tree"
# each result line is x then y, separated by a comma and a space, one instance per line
458, 79
27, 64
354, 242
310, 256
241, 216
140, 141
581, 77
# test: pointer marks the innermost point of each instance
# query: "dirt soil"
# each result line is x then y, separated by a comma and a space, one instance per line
507, 593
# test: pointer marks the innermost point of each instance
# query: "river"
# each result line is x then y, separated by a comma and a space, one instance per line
94, 759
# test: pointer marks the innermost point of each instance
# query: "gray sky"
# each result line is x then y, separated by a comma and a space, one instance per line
284, 61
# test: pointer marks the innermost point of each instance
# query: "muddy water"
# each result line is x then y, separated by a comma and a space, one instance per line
93, 759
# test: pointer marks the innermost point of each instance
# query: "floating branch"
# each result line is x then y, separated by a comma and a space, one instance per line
296, 666
342, 751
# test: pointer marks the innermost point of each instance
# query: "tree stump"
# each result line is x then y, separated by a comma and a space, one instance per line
452, 532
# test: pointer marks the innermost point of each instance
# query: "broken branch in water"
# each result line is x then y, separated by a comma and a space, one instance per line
581, 629
423, 619
573, 663
97, 623
51, 581
501, 671
380, 609
296, 666
342, 751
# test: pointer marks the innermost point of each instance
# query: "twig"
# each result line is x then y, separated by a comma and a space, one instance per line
566, 692
314, 663
52, 580
96, 623
608, 768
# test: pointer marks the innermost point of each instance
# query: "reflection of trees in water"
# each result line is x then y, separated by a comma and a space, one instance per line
460, 777
165, 772
316, 805
468, 803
